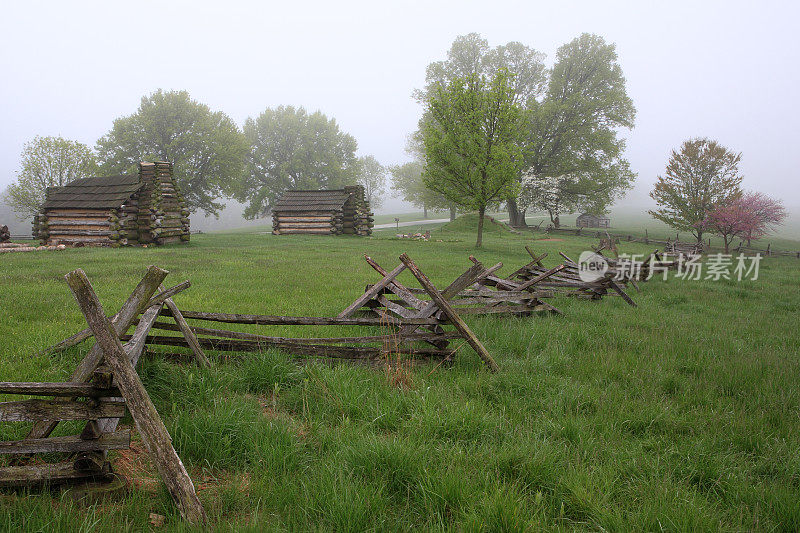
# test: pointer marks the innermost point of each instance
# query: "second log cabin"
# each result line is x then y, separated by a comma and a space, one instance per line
326, 212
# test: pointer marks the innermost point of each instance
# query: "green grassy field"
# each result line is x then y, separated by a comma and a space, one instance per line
680, 415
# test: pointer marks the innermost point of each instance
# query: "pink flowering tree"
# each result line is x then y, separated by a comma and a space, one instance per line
728, 220
766, 214
750, 217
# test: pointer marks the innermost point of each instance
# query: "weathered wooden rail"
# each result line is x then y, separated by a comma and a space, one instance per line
668, 243
399, 326
565, 279
476, 292
103, 386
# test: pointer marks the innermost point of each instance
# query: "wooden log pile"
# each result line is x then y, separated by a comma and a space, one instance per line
124, 223
77, 227
316, 223
8, 247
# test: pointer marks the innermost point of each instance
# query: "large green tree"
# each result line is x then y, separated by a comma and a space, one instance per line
574, 129
471, 142
206, 147
292, 149
471, 54
372, 176
47, 162
573, 111
700, 176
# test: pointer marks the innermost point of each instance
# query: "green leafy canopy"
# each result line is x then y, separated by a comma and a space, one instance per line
471, 142
292, 149
206, 147
47, 162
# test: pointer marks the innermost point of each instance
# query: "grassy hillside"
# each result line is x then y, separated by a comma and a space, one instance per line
680, 414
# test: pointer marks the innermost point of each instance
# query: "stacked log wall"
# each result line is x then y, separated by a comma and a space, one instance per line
145, 217
163, 217
308, 222
358, 219
82, 227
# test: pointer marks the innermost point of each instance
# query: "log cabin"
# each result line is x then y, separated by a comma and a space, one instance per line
326, 212
142, 208
589, 220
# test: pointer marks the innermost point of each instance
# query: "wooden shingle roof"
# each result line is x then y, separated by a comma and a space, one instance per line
94, 193
294, 200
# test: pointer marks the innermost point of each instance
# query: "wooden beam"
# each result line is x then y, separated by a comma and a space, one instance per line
199, 355
148, 423
445, 307
619, 290
164, 295
296, 348
71, 444
67, 389
371, 293
537, 260
54, 410
34, 475
303, 340
540, 277
396, 287
133, 349
274, 320
451, 291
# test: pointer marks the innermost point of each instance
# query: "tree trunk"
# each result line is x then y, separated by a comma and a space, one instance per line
554, 218
515, 217
452, 213
481, 211
425, 212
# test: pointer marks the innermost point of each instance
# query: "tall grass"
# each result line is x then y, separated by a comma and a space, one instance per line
680, 414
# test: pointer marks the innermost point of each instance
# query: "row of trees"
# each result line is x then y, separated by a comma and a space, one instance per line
499, 127
282, 148
700, 192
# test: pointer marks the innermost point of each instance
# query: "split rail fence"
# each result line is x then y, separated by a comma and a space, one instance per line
421, 322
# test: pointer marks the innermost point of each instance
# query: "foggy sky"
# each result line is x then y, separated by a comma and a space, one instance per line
727, 70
